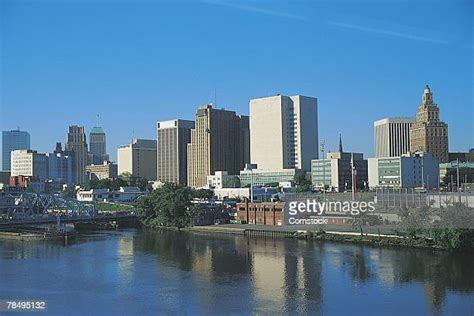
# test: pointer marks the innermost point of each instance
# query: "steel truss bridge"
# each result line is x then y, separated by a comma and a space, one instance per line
34, 208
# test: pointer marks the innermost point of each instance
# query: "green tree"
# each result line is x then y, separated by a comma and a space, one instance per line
302, 183
166, 206
204, 194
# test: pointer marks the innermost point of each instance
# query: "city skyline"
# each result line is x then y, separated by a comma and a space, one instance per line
78, 68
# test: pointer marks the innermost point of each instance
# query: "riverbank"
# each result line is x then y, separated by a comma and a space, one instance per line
377, 239
37, 235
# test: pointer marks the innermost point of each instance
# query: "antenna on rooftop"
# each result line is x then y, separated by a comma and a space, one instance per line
215, 97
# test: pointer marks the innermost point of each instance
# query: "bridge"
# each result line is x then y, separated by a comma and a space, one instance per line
37, 209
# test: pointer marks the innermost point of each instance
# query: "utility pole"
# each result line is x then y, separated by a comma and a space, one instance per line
354, 177
324, 170
458, 184
250, 167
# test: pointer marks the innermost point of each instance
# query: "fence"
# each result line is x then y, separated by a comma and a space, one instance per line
411, 198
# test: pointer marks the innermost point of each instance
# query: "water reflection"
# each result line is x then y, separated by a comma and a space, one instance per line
146, 272
287, 275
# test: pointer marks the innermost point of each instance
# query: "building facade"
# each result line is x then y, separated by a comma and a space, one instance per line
268, 214
77, 145
429, 133
407, 171
221, 180
462, 157
138, 158
444, 168
219, 142
284, 132
13, 140
106, 170
392, 136
172, 154
29, 163
97, 146
335, 173
61, 165
267, 177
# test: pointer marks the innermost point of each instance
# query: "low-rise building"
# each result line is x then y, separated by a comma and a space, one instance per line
406, 171
221, 179
462, 157
22, 182
267, 177
269, 214
106, 170
445, 167
125, 194
334, 172
259, 194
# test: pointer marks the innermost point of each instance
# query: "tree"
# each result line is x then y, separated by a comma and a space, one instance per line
166, 206
204, 194
303, 184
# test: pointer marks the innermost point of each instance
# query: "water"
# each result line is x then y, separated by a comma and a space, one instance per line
141, 273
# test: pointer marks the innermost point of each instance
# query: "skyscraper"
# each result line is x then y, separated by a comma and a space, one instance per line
77, 145
97, 146
219, 142
429, 134
284, 132
392, 136
13, 140
60, 165
29, 163
138, 158
172, 142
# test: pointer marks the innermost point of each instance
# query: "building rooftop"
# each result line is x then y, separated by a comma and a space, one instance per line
97, 130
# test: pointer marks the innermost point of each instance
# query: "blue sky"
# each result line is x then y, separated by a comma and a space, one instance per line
137, 62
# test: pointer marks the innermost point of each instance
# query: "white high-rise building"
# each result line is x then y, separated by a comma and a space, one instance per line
392, 136
283, 132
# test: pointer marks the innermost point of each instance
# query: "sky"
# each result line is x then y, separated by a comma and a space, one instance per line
134, 63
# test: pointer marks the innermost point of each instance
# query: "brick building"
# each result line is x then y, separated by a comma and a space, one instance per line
269, 214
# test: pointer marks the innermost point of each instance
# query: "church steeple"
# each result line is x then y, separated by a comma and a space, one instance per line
340, 144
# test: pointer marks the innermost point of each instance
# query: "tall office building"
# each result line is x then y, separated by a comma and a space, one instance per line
172, 142
392, 136
284, 132
97, 146
77, 145
60, 165
219, 142
429, 134
13, 140
29, 163
138, 158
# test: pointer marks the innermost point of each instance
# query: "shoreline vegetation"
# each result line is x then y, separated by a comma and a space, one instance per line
171, 207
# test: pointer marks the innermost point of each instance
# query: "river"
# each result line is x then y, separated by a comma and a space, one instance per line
130, 272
